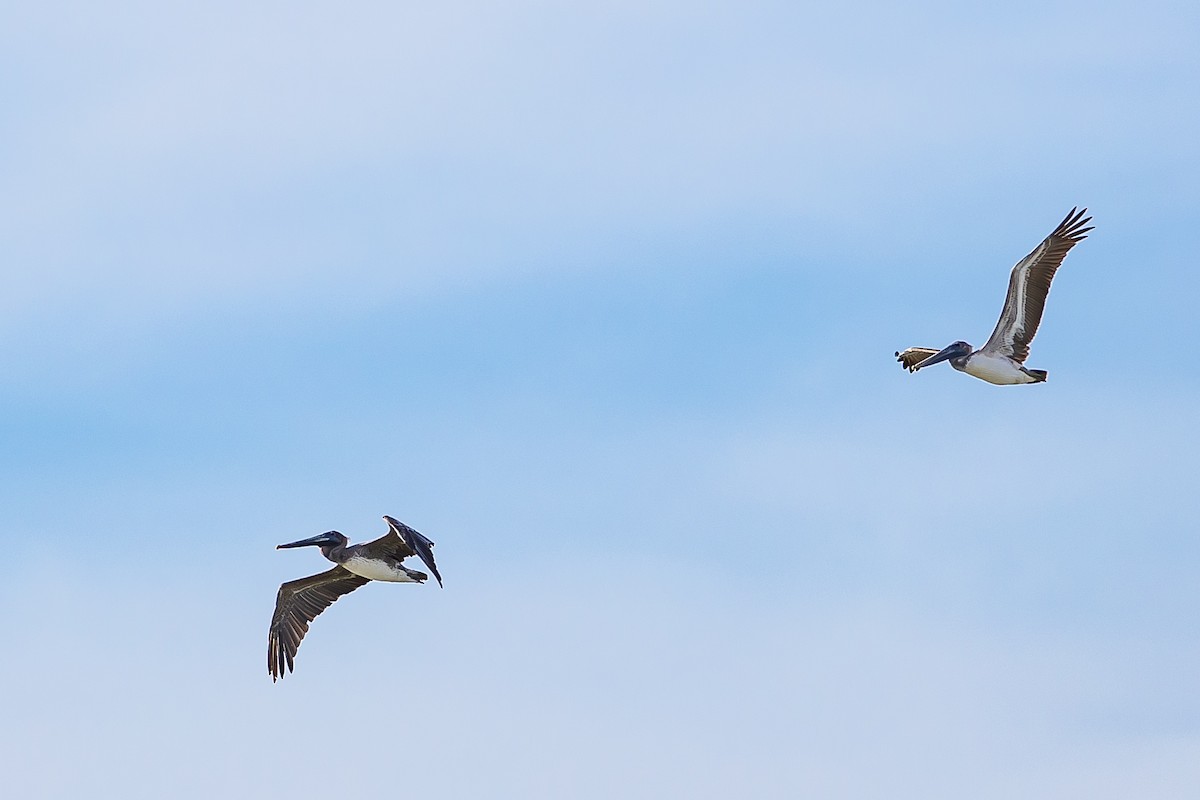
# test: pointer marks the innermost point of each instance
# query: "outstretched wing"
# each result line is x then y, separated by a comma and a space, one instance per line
297, 604
914, 355
1028, 286
413, 542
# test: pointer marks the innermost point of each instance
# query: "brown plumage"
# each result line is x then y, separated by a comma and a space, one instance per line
1029, 285
1001, 360
297, 604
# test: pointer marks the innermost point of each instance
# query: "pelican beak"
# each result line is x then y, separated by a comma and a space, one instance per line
946, 354
323, 538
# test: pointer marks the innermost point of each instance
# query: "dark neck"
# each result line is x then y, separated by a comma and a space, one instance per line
333, 551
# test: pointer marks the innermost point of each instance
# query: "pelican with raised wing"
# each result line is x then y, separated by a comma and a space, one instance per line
1002, 359
300, 601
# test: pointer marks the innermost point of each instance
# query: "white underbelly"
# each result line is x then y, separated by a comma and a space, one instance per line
377, 570
997, 369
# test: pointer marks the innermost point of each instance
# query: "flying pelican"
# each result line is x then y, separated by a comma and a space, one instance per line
300, 601
1002, 359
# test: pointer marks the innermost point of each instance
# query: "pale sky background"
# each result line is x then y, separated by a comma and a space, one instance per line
603, 300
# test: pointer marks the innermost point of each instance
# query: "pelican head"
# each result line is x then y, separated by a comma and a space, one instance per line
326, 539
948, 353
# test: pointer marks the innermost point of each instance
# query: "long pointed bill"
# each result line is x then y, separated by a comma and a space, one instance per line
321, 539
945, 355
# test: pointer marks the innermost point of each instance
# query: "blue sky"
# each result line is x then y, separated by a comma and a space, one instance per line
602, 300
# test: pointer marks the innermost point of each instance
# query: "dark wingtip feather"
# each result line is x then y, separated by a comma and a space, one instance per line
1071, 228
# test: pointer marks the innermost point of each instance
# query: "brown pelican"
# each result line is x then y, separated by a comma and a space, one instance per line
1002, 359
300, 601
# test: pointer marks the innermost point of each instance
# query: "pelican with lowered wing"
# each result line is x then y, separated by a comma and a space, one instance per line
1002, 359
300, 601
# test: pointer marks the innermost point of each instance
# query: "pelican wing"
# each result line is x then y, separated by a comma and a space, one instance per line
412, 542
297, 604
1029, 285
910, 358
